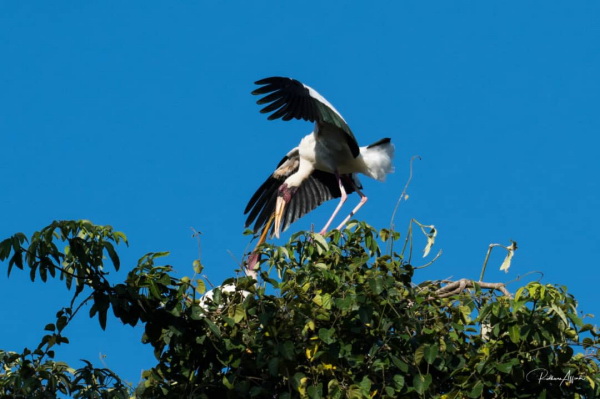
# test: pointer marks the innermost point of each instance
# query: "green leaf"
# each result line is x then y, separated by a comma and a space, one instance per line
365, 385
477, 390
326, 301
112, 254
227, 383
431, 353
237, 313
5, 248
419, 354
61, 322
398, 381
519, 293
504, 367
299, 381
402, 366
518, 305
160, 254
384, 234
197, 266
376, 286
514, 333
326, 335
197, 313
288, 350
17, 260
154, 291
560, 313
320, 242
200, 286
102, 318
333, 388
318, 300
212, 327
274, 366
365, 313
315, 392
343, 303
421, 382
354, 392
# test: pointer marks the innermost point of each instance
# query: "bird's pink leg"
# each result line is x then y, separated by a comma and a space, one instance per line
343, 199
363, 200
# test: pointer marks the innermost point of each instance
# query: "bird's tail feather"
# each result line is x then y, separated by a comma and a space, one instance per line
378, 158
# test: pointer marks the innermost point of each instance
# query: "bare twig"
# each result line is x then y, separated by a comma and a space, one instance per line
196, 234
403, 194
506, 264
406, 241
527, 274
204, 276
430, 262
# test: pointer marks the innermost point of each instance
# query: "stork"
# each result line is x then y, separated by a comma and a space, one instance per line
323, 166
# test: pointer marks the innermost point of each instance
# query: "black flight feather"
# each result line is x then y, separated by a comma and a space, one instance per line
290, 99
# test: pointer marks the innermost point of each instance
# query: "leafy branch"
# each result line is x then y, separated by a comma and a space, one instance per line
340, 320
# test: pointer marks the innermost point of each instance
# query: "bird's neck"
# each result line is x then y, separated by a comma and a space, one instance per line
305, 168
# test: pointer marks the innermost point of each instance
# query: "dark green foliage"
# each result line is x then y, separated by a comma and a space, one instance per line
341, 321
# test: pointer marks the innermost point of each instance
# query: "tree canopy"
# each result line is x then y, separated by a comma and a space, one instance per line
331, 316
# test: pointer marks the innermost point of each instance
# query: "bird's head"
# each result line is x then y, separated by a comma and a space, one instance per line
284, 196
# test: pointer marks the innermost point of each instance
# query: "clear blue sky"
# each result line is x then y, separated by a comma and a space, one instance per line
139, 115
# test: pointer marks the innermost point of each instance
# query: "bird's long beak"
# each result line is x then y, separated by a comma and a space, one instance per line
279, 208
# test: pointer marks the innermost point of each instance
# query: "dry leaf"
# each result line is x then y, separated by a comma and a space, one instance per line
511, 252
430, 241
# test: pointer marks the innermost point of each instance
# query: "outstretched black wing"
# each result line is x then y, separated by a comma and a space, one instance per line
290, 99
318, 188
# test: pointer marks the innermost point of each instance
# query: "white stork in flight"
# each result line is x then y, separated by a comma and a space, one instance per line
322, 167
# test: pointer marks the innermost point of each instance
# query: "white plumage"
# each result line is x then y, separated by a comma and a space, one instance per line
322, 167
